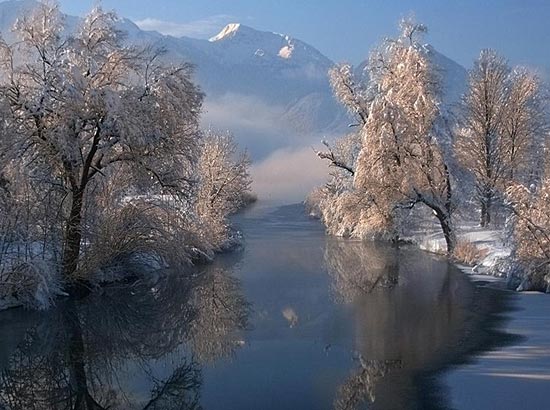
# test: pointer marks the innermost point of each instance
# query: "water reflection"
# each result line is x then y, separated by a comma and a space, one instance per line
410, 313
371, 334
138, 347
358, 268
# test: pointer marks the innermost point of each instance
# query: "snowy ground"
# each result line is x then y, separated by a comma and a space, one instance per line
511, 377
428, 236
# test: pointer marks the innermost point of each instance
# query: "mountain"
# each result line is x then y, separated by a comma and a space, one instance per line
257, 73
271, 90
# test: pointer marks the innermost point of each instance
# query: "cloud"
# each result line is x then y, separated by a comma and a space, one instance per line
288, 174
203, 28
237, 111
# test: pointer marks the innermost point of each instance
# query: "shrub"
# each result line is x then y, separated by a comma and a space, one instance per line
468, 253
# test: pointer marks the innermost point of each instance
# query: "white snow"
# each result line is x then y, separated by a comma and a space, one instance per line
286, 51
228, 31
429, 237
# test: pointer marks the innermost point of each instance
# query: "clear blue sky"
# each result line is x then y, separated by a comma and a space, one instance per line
347, 29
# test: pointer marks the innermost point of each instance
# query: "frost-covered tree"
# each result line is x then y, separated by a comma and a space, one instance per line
350, 91
481, 145
224, 185
523, 126
531, 234
85, 109
335, 202
400, 162
502, 122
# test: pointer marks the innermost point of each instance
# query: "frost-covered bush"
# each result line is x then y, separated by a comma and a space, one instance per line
468, 252
531, 235
349, 214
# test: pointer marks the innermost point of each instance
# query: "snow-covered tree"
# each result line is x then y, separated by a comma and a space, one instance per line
531, 234
350, 91
501, 123
400, 162
224, 185
331, 201
523, 127
85, 109
479, 144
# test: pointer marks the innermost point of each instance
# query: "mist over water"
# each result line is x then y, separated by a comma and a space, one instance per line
285, 167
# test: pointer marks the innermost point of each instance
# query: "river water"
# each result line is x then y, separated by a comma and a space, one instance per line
294, 320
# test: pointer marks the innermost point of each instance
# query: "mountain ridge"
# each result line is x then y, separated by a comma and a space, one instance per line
274, 87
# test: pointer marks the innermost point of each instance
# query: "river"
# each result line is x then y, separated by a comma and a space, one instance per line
294, 320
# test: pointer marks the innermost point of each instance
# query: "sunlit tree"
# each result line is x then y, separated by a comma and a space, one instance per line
224, 185
400, 163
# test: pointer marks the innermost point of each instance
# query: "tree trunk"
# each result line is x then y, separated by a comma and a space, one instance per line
73, 235
448, 231
485, 218
483, 214
76, 356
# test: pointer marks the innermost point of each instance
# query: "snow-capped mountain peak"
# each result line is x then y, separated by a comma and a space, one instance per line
228, 31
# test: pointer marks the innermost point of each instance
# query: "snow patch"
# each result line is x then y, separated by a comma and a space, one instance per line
228, 31
496, 251
286, 51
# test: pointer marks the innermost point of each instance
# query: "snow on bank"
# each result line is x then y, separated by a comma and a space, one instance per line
491, 243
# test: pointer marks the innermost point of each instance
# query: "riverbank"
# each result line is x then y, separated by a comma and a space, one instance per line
487, 247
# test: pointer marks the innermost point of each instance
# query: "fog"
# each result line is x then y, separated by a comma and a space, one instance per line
288, 174
285, 168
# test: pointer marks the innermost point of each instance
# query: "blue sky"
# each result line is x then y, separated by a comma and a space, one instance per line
345, 30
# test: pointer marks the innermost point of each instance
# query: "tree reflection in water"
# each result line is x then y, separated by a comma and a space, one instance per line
358, 268
103, 352
410, 316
